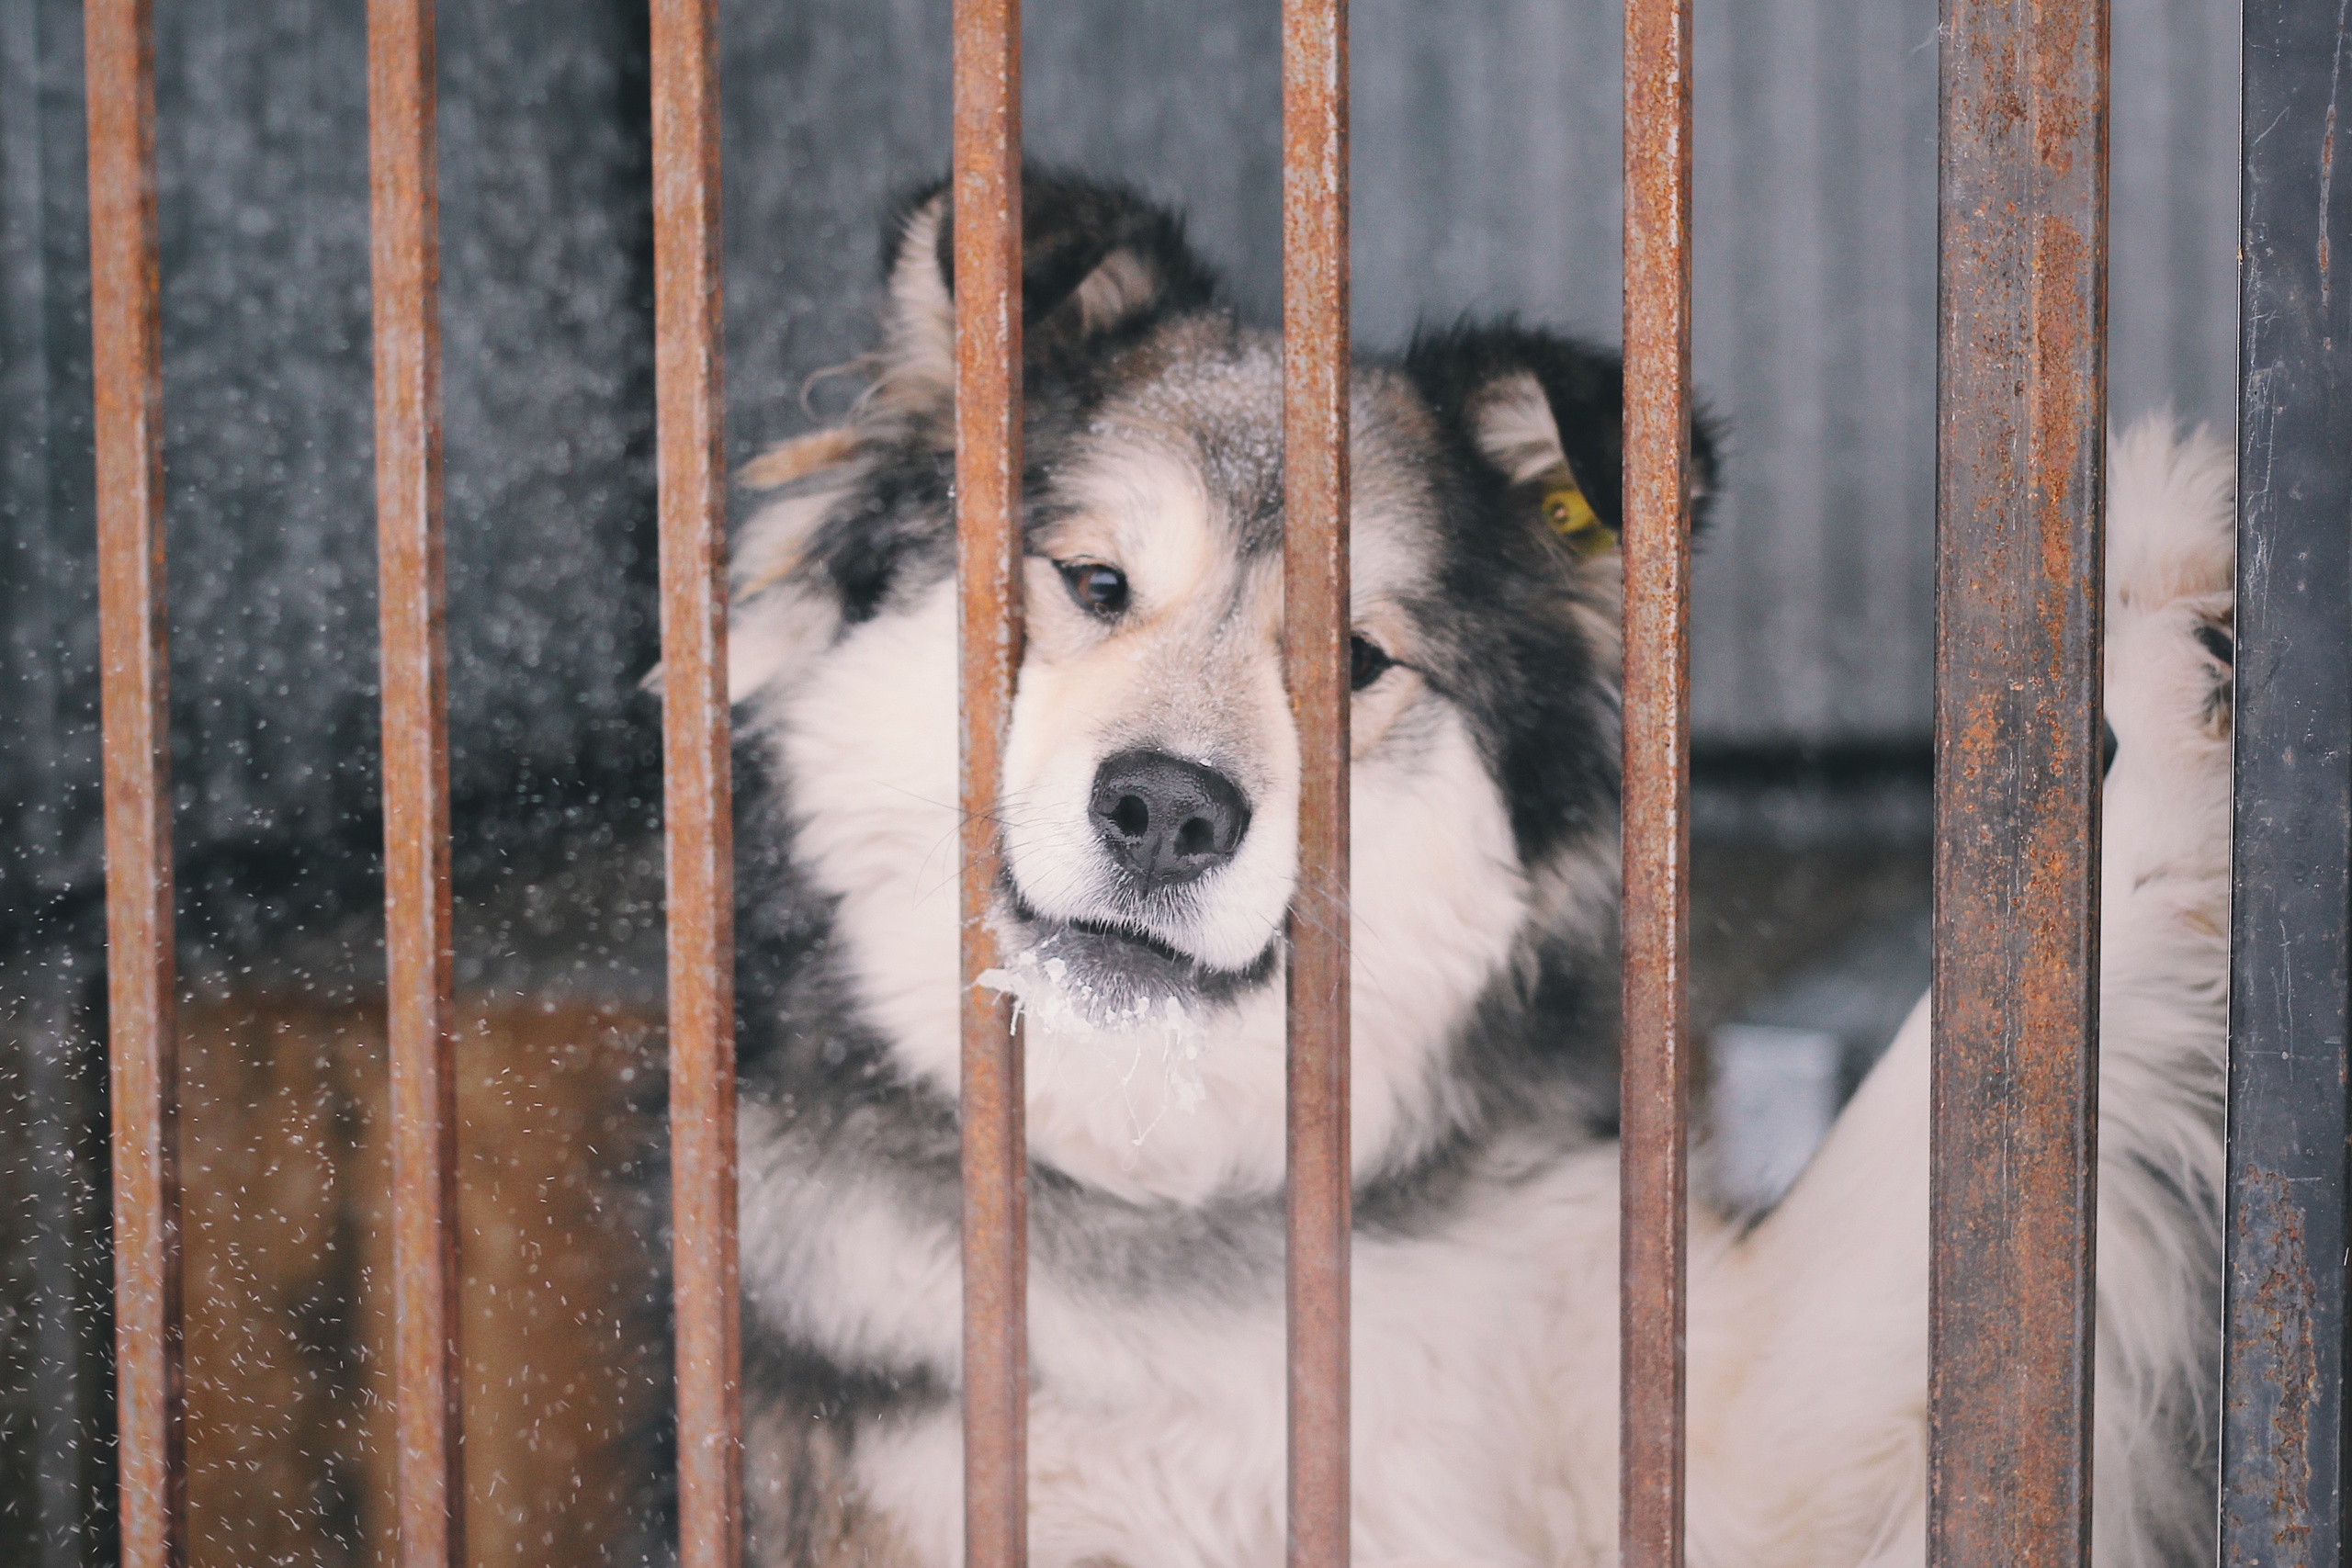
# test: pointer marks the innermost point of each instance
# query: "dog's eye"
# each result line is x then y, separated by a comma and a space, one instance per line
1367, 662
1096, 587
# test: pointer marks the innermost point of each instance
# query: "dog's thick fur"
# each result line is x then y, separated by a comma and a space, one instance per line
1484, 825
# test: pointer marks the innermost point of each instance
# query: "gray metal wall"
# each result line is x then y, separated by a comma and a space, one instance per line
1486, 169
262, 173
1486, 150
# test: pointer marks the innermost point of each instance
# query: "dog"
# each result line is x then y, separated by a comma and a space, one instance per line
1148, 831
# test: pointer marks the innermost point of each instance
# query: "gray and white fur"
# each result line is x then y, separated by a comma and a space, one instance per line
1147, 824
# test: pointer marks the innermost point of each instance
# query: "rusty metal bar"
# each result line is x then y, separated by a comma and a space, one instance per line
2020, 428
126, 332
1316, 621
697, 787
405, 265
987, 202
1655, 1064
2290, 984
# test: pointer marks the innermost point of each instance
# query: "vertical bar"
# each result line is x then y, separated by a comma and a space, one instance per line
2290, 984
697, 785
1316, 620
2021, 426
987, 213
1656, 1087
126, 335
405, 265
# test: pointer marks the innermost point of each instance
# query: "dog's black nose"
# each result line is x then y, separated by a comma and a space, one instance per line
1167, 820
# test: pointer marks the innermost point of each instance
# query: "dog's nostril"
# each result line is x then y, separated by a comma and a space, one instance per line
1131, 815
1165, 819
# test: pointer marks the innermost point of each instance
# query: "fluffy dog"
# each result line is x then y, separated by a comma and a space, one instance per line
1148, 804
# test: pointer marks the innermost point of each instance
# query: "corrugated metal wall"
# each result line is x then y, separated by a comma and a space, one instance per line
1485, 168
1487, 154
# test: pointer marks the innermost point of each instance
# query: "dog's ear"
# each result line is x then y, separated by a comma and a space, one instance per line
1546, 413
1097, 263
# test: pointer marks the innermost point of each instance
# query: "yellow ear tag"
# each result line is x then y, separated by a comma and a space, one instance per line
1573, 518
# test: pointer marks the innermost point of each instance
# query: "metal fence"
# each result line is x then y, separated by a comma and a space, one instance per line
2019, 430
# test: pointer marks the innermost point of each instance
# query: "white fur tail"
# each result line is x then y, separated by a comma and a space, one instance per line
1809, 1336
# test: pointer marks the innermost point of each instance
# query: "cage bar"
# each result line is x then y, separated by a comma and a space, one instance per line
987, 205
1656, 1068
126, 335
1315, 619
405, 264
2020, 405
2290, 994
697, 782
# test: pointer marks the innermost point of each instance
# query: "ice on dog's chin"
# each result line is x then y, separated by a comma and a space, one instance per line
1062, 1010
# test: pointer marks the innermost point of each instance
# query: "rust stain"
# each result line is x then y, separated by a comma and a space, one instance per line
697, 784
1316, 363
1655, 921
405, 282
987, 259
143, 1044
2272, 1320
2021, 403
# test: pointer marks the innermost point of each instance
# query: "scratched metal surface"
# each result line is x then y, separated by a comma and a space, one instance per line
2282, 1428
2020, 405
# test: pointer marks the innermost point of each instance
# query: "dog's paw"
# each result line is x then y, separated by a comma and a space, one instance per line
2170, 552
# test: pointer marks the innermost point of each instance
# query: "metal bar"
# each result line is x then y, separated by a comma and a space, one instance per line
1656, 924
2290, 983
1316, 621
2021, 426
404, 252
126, 335
697, 788
987, 201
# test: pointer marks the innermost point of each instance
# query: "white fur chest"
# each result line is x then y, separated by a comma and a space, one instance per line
1156, 1429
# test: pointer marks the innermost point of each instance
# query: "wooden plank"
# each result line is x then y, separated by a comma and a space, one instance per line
1656, 920
698, 791
126, 335
2020, 423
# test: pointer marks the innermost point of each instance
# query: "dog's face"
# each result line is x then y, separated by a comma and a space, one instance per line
1149, 796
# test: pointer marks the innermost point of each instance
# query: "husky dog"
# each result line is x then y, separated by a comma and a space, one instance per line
1149, 834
